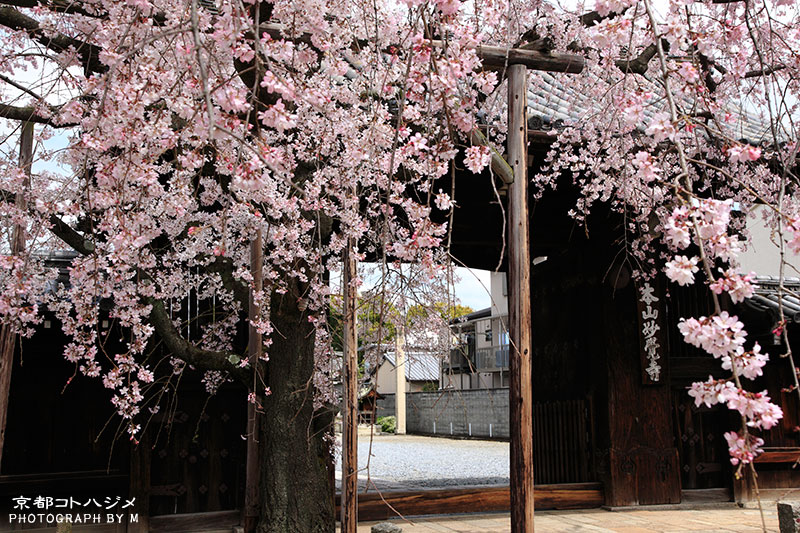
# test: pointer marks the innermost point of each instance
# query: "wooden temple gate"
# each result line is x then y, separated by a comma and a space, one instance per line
644, 434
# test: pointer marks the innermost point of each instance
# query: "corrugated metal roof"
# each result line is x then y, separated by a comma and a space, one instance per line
420, 366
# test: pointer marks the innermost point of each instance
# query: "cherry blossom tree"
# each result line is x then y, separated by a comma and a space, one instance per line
693, 112
192, 125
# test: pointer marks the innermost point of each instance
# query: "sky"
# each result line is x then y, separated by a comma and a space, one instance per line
472, 289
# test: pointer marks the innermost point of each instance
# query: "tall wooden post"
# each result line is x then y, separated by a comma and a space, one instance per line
254, 349
7, 336
139, 485
400, 380
349, 396
519, 285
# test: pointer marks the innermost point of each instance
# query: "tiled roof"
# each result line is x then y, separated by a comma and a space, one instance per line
766, 297
553, 101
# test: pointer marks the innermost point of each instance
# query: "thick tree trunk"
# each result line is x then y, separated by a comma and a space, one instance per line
295, 484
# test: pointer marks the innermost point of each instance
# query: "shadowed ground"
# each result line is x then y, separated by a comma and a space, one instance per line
723, 520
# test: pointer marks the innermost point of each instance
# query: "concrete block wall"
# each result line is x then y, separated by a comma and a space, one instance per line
386, 405
479, 413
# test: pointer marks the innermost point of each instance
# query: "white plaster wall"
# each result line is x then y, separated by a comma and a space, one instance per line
386, 379
763, 255
497, 286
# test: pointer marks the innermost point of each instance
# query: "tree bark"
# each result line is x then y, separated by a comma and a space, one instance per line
294, 478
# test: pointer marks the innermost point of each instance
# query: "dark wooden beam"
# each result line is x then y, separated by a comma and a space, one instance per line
374, 506
8, 336
350, 397
139, 483
498, 58
542, 137
254, 350
215, 520
779, 455
519, 306
494, 57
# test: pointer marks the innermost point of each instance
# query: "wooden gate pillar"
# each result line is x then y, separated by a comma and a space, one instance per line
350, 395
519, 289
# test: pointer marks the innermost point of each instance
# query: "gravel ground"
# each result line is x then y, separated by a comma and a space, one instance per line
410, 461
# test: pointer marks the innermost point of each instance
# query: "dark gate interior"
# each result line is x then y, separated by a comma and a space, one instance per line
562, 442
198, 456
702, 451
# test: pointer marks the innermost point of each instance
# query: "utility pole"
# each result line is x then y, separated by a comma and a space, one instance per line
400, 380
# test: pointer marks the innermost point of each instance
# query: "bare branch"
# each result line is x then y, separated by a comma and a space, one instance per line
20, 87
55, 5
30, 114
70, 236
639, 64
764, 72
14, 19
186, 351
593, 17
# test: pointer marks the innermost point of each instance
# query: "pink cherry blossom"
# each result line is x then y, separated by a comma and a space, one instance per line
793, 229
711, 392
682, 269
743, 450
756, 408
749, 364
739, 153
688, 72
477, 158
713, 217
677, 229
661, 128
648, 170
738, 286
718, 335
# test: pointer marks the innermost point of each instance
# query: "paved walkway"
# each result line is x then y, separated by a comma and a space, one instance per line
601, 521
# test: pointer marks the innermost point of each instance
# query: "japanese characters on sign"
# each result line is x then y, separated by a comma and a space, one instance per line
650, 329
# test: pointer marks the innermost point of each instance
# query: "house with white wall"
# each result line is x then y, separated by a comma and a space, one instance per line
479, 358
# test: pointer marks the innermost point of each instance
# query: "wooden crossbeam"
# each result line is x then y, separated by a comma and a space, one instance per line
499, 58
493, 57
